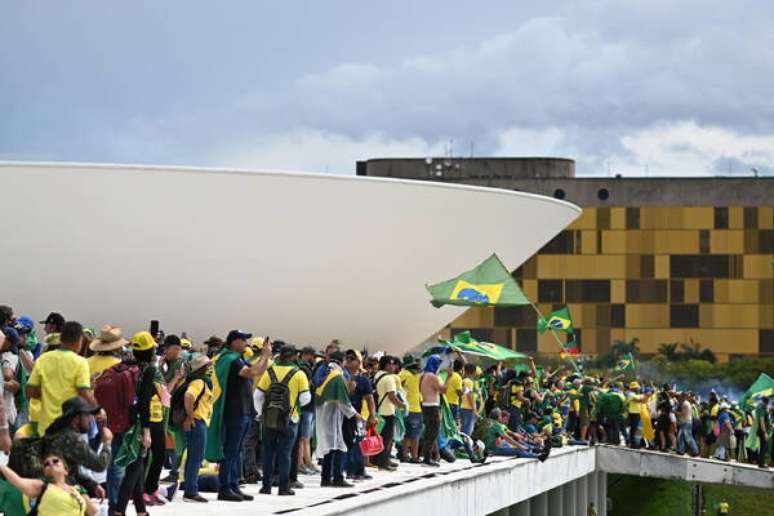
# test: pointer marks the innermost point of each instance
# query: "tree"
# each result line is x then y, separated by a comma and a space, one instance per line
669, 351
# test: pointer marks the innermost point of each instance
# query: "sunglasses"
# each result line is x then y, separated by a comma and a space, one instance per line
51, 462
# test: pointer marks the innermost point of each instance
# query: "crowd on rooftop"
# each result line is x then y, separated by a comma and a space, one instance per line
89, 415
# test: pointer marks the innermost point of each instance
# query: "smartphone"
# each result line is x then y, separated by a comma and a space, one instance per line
154, 328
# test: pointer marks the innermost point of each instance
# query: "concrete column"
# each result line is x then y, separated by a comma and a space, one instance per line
520, 509
592, 489
581, 496
501, 512
555, 502
601, 493
568, 500
539, 505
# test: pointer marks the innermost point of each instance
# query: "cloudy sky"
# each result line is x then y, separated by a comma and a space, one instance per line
633, 87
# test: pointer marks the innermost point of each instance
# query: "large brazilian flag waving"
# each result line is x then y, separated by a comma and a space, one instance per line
763, 386
489, 284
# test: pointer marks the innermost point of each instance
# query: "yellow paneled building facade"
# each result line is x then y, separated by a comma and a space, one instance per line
656, 259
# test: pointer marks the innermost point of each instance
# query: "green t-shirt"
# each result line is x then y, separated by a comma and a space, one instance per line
495, 430
585, 396
762, 413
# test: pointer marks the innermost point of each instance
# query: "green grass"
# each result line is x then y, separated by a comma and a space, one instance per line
636, 496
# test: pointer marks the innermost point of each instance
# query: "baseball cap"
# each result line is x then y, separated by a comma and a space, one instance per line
54, 318
288, 349
143, 341
237, 335
24, 324
172, 340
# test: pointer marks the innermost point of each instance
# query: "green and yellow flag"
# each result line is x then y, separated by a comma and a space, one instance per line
763, 386
489, 284
465, 343
626, 363
559, 320
216, 431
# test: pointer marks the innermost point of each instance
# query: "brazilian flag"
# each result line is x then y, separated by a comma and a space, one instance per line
626, 363
559, 320
763, 386
489, 284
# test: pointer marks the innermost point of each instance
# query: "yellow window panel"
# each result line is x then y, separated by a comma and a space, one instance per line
766, 316
662, 267
735, 218
576, 311
587, 220
589, 242
726, 241
589, 343
707, 316
765, 217
698, 218
618, 291
691, 291
530, 288
757, 266
617, 218
735, 316
676, 242
615, 242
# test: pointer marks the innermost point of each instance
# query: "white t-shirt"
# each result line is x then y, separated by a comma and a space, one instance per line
10, 361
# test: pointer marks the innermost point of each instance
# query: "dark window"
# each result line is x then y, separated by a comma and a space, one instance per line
704, 241
684, 316
647, 266
480, 334
736, 266
766, 241
587, 291
699, 266
632, 218
559, 193
603, 315
721, 217
646, 291
706, 291
766, 341
603, 218
526, 341
521, 316
618, 316
503, 337
560, 244
549, 291
751, 218
603, 194
677, 291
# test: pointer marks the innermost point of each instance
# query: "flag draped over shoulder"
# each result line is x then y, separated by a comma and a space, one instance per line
559, 320
215, 433
489, 284
626, 363
333, 388
763, 386
465, 343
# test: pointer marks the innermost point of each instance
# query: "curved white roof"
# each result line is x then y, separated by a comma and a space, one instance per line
303, 257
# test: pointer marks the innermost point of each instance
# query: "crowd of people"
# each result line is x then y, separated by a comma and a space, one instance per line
91, 415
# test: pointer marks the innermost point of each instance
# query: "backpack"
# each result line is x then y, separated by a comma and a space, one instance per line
116, 392
276, 404
177, 413
27, 456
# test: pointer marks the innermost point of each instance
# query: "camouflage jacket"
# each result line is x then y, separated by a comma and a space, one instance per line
75, 450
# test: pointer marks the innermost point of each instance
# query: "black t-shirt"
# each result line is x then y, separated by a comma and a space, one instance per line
239, 395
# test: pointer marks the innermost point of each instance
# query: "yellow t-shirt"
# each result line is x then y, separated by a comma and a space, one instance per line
297, 384
385, 385
454, 384
410, 382
468, 384
98, 363
58, 502
203, 410
59, 374
635, 407
515, 389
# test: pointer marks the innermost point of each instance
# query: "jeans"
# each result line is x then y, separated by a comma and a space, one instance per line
387, 433
455, 410
432, 419
634, 434
507, 451
235, 428
114, 473
468, 420
196, 441
514, 419
331, 466
277, 449
685, 438
353, 462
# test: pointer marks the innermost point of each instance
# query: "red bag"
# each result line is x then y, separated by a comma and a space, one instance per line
116, 390
372, 444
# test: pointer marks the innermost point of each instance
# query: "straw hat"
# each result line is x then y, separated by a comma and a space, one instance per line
109, 339
199, 362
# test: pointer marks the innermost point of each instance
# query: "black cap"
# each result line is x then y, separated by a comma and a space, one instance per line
237, 335
54, 318
288, 349
309, 350
337, 356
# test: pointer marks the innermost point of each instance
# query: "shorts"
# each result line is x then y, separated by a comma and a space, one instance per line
413, 425
306, 425
584, 417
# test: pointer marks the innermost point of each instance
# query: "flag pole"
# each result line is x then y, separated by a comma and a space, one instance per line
556, 337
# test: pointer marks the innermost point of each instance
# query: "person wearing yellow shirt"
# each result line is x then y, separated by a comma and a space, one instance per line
409, 379
105, 347
60, 375
387, 400
469, 395
278, 444
454, 389
634, 401
198, 409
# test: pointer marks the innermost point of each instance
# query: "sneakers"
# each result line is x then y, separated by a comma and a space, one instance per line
288, 492
326, 483
246, 497
431, 463
341, 483
156, 497
265, 490
171, 490
195, 499
296, 485
229, 496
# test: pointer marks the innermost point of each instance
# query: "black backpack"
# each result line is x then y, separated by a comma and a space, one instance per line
177, 413
276, 403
